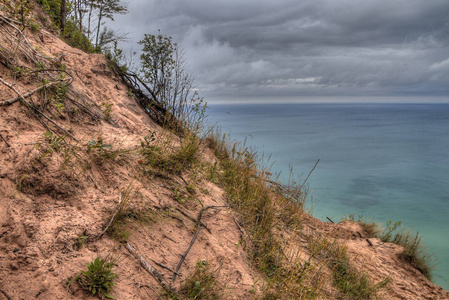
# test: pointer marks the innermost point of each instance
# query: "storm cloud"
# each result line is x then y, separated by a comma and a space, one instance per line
299, 49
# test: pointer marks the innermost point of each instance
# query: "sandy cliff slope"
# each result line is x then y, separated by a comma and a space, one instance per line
66, 169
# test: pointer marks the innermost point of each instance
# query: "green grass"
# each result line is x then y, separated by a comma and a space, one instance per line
264, 208
351, 283
167, 158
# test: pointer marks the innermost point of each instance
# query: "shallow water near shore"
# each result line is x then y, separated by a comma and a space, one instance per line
382, 161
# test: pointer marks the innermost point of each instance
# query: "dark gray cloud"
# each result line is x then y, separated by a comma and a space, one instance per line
294, 48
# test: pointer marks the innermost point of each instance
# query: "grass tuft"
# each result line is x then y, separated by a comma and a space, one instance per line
202, 283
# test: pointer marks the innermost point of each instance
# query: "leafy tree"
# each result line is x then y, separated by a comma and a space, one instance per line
106, 9
168, 80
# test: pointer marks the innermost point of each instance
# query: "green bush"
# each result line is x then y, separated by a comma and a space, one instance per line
76, 38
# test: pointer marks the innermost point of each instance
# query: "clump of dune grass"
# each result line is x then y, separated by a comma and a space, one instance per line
414, 250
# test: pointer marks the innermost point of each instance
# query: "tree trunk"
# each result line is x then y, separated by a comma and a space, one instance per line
100, 15
63, 13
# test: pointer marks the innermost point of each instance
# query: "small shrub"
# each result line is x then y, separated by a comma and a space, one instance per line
35, 27
99, 277
107, 109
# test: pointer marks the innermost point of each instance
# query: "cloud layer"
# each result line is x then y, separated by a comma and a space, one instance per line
291, 48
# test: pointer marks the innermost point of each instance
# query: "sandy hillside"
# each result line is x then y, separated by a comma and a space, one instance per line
67, 165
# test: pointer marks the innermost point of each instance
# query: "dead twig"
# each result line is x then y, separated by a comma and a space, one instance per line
150, 269
5, 294
167, 268
198, 226
330, 220
311, 171
5, 140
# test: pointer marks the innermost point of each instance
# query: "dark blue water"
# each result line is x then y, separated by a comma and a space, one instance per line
383, 161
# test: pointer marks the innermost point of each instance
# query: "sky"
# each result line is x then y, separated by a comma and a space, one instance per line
345, 50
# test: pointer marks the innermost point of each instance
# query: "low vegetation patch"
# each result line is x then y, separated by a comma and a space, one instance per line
414, 251
202, 283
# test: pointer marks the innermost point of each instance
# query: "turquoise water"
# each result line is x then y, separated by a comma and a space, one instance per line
383, 161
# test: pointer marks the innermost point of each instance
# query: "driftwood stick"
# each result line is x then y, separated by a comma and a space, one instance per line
198, 226
112, 219
13, 100
149, 268
5, 140
330, 220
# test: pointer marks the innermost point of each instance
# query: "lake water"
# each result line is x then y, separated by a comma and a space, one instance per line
382, 161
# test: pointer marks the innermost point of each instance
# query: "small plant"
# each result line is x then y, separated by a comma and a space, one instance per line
178, 197
107, 109
202, 283
59, 91
391, 227
98, 145
35, 27
99, 277
53, 143
80, 241
148, 140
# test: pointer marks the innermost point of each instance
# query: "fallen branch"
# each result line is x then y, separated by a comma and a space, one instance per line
34, 109
13, 100
330, 220
198, 226
153, 272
